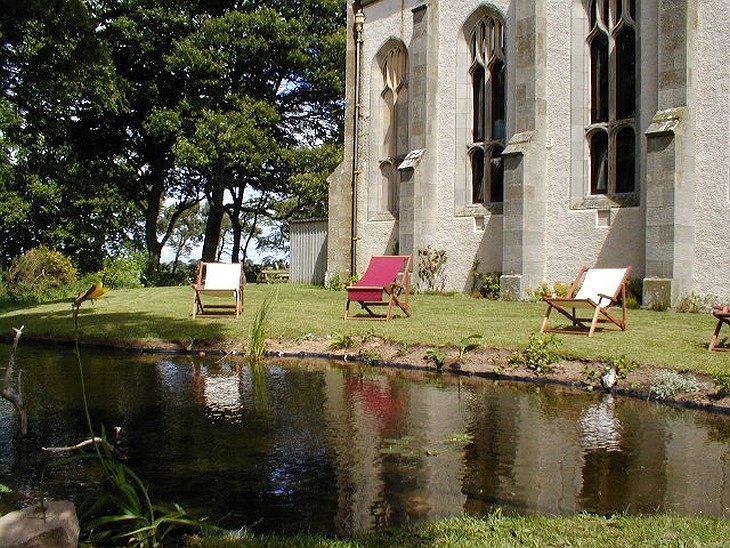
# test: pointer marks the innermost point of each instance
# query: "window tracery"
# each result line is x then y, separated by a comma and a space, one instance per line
611, 134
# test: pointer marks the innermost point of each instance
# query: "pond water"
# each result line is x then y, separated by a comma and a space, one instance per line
334, 448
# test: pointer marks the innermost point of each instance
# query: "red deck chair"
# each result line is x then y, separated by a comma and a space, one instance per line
596, 290
722, 313
385, 282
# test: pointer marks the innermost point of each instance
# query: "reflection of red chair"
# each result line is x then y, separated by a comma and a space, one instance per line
722, 313
595, 289
385, 282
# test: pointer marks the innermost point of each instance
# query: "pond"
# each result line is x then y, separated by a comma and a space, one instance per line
335, 448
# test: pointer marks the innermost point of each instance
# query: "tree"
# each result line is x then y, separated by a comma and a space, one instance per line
114, 112
186, 233
58, 86
257, 61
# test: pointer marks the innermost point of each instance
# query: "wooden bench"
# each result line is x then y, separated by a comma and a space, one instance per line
274, 275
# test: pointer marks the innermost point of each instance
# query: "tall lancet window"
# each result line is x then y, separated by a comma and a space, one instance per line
488, 75
394, 124
611, 134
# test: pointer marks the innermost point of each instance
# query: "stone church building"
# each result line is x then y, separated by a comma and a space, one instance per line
537, 136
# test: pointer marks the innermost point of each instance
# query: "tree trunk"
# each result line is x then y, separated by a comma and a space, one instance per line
236, 225
152, 215
213, 222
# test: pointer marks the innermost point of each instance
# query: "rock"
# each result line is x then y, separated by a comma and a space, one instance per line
53, 525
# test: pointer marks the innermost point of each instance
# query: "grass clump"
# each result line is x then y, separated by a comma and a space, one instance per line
695, 304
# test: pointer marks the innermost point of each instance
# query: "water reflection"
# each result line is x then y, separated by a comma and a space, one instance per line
337, 448
600, 428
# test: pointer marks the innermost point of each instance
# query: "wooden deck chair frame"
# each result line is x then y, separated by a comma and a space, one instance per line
393, 294
600, 305
218, 280
722, 313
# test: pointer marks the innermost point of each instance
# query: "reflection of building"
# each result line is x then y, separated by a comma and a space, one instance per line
374, 489
537, 136
600, 429
302, 446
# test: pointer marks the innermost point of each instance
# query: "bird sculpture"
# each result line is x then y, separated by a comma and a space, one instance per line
94, 292
609, 378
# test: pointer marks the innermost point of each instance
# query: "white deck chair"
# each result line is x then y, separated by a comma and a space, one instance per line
596, 289
218, 280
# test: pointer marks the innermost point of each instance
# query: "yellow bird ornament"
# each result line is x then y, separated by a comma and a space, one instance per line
96, 291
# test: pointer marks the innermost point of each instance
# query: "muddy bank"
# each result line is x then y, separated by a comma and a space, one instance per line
494, 363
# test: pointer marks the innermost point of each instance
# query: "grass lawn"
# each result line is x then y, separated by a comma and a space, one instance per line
146, 315
497, 531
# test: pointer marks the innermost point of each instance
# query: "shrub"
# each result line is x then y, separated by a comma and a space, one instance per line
722, 383
337, 283
484, 284
436, 356
468, 343
696, 304
634, 288
370, 356
539, 354
623, 366
670, 383
252, 271
558, 289
40, 274
123, 272
341, 342
431, 275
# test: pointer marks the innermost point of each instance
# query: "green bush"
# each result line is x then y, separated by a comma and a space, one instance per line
539, 355
123, 272
338, 283
696, 304
670, 383
634, 289
40, 274
559, 289
485, 284
722, 383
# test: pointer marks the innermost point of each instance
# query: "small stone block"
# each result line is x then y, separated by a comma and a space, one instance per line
52, 525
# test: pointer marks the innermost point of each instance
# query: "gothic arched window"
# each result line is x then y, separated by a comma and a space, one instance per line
394, 125
611, 134
488, 82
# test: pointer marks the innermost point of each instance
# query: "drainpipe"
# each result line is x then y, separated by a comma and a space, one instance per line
359, 22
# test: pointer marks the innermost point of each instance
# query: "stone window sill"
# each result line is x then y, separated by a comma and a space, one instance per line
606, 201
479, 210
383, 216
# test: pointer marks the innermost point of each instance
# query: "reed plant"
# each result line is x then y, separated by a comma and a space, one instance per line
256, 348
123, 513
